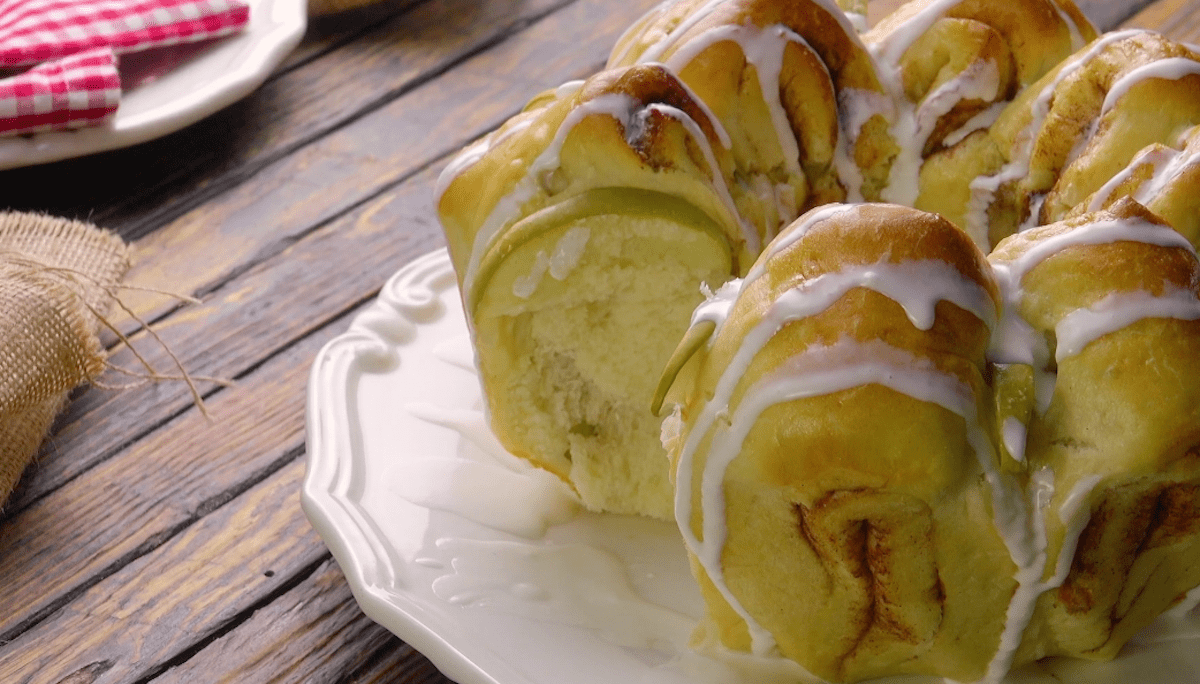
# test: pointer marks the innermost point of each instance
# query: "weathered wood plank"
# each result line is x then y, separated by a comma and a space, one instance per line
164, 178
1179, 19
315, 633
326, 32
287, 298
323, 179
153, 609
151, 491
1109, 14
395, 665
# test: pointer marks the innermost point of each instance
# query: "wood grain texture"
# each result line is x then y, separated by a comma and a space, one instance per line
291, 296
130, 504
201, 249
315, 633
137, 619
1179, 19
348, 79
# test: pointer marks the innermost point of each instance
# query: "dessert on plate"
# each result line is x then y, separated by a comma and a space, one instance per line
921, 300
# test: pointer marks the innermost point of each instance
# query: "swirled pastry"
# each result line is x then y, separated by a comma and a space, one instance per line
833, 451
584, 230
1066, 136
894, 457
1104, 312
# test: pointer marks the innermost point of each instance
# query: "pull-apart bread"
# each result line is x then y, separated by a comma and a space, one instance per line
920, 302
895, 456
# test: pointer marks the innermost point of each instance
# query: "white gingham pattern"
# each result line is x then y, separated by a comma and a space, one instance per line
33, 31
75, 43
79, 90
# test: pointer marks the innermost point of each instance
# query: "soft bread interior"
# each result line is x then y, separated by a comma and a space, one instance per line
573, 330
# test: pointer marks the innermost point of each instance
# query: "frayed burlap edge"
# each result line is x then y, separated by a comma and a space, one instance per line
57, 279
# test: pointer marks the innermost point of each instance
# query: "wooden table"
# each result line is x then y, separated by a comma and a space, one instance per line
150, 543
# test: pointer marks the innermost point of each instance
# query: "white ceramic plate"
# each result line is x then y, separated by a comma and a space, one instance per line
195, 82
486, 565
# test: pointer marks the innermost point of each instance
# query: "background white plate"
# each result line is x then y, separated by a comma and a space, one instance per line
486, 566
220, 74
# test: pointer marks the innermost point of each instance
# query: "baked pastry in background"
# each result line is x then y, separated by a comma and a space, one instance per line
1065, 137
878, 476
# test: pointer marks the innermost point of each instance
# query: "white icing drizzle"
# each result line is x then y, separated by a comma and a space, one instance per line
575, 585
984, 188
1095, 233
749, 233
891, 48
763, 48
1119, 310
905, 127
477, 150
1031, 568
509, 206
911, 129
980, 81
1167, 164
855, 108
488, 486
794, 233
1077, 40
654, 52
1013, 432
1019, 514
1171, 69
716, 305
845, 365
630, 113
916, 285
980, 121
1015, 340
568, 89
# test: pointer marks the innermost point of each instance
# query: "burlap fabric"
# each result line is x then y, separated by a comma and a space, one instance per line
57, 279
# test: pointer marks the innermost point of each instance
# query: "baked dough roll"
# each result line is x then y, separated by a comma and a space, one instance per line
582, 232
792, 83
1111, 302
836, 481
1065, 136
1163, 178
959, 63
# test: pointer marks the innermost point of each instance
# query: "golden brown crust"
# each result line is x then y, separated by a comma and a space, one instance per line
1121, 430
837, 503
851, 507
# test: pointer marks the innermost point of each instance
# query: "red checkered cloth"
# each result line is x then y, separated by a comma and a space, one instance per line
33, 31
80, 90
75, 43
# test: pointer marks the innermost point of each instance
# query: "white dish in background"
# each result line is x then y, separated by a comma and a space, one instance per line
204, 78
485, 564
